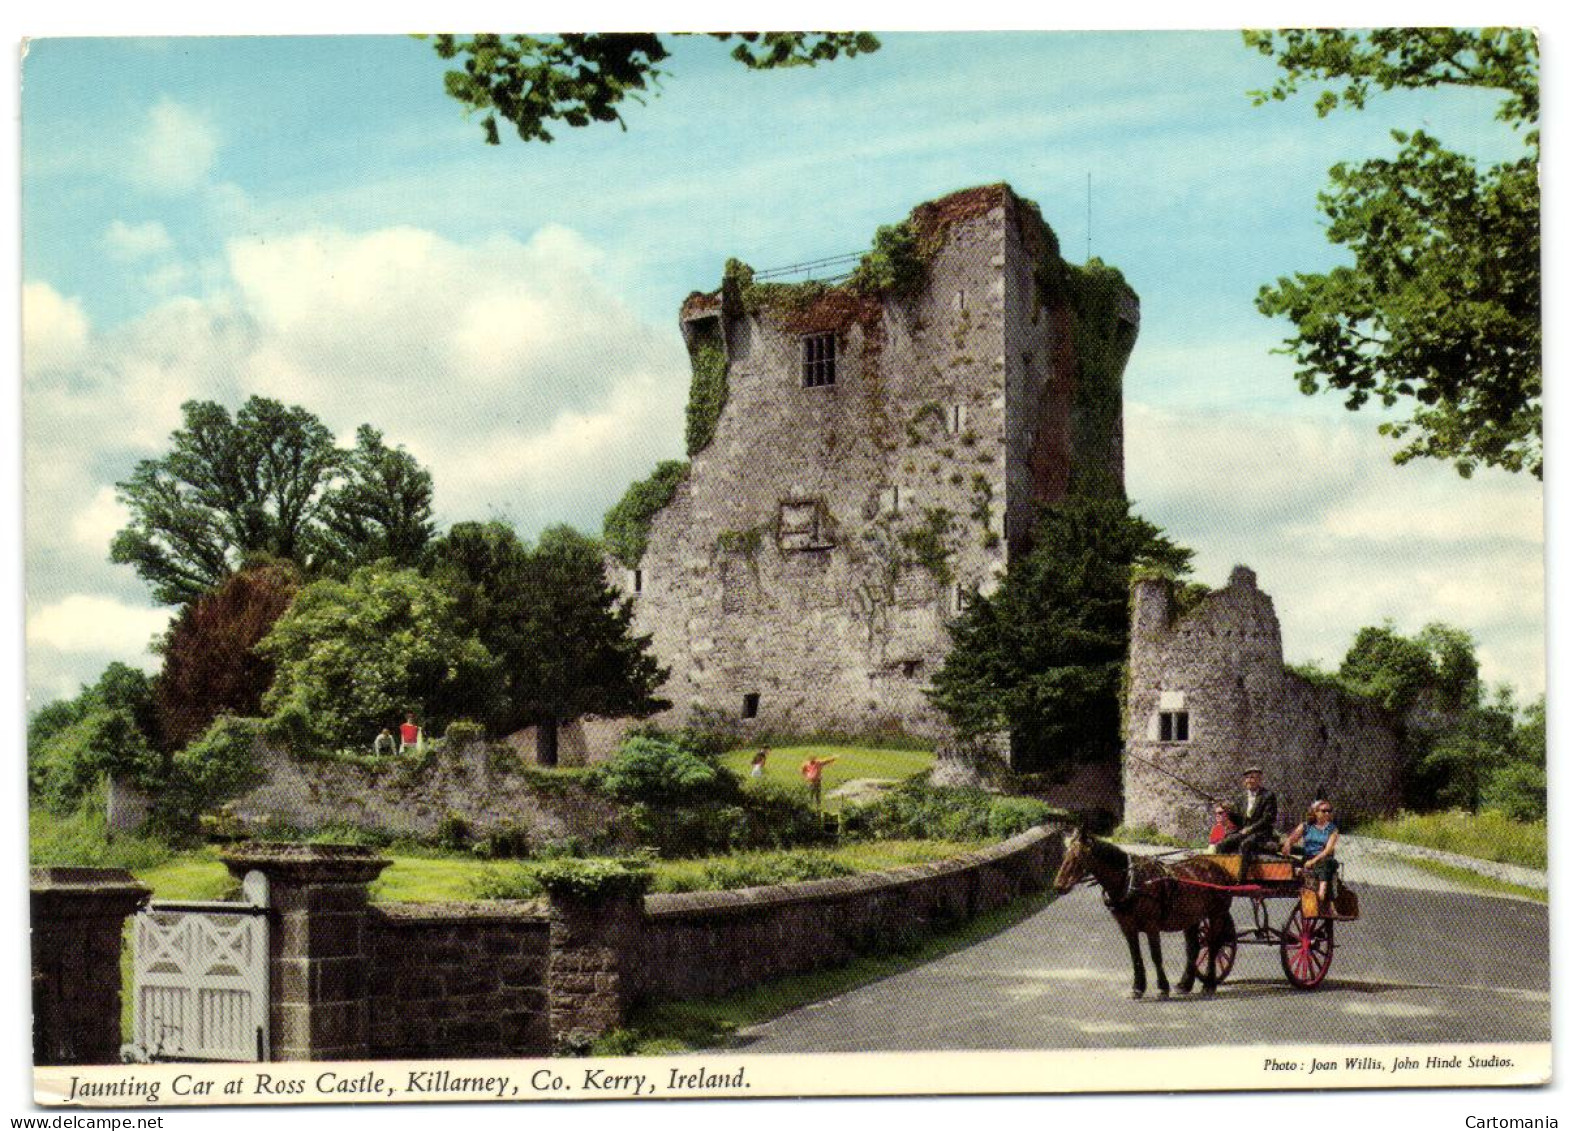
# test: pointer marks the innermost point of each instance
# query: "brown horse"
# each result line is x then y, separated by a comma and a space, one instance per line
1147, 897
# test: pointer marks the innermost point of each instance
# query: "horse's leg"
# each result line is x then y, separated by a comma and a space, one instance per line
1138, 963
1160, 967
1215, 920
1190, 935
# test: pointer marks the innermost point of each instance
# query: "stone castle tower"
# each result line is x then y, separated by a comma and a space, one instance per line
863, 455
1209, 694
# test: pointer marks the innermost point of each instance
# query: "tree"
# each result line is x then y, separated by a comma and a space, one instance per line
563, 636
1519, 787
382, 509
267, 482
535, 81
107, 728
354, 656
1436, 670
210, 663
1042, 658
1441, 310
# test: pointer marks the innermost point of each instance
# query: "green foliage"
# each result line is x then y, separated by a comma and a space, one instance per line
660, 772
929, 414
894, 265
106, 729
381, 509
1484, 836
746, 542
1042, 657
627, 523
706, 398
915, 809
267, 483
534, 82
562, 635
217, 767
591, 880
354, 656
745, 870
508, 841
1101, 344
927, 544
1518, 789
463, 732
79, 837
1441, 310
514, 882
453, 832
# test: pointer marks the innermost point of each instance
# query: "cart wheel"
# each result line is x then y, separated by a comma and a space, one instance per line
1306, 949
1221, 935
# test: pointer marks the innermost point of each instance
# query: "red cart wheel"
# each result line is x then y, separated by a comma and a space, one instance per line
1306, 948
1219, 935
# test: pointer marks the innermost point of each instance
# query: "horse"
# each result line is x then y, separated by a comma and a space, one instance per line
1148, 896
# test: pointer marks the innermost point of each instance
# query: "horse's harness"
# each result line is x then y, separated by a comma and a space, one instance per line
1159, 885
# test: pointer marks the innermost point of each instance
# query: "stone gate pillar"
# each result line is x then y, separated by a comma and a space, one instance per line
78, 918
318, 951
596, 943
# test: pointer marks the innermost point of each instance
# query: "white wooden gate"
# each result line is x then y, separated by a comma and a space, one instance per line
200, 977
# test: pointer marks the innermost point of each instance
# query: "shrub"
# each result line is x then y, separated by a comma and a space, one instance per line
217, 767
453, 832
80, 838
757, 870
504, 842
656, 771
589, 880
1519, 791
464, 732
506, 883
1010, 816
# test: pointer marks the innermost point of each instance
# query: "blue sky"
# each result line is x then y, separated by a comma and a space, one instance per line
313, 219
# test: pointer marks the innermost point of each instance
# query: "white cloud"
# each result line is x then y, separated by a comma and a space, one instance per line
136, 241
173, 151
1342, 538
54, 329
102, 626
95, 525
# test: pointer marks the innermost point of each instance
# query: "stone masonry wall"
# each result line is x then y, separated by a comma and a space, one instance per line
942, 405
1223, 664
698, 944
467, 782
458, 979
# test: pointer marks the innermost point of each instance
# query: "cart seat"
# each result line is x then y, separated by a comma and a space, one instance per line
1264, 869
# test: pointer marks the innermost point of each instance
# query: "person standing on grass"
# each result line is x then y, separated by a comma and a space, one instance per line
409, 734
760, 761
812, 771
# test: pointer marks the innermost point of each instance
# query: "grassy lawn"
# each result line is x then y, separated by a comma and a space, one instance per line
1485, 836
784, 765
686, 1026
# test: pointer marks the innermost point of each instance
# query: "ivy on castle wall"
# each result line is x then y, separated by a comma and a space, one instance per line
627, 523
710, 389
1101, 348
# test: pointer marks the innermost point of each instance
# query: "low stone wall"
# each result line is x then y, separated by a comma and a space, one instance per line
450, 979
699, 944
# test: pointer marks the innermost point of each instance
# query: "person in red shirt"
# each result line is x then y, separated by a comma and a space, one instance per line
409, 735
812, 771
1223, 827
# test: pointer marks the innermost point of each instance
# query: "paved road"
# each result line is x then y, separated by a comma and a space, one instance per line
1426, 963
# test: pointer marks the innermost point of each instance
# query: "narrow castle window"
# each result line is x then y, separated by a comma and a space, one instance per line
749, 704
637, 581
910, 668
956, 419
818, 357
1173, 726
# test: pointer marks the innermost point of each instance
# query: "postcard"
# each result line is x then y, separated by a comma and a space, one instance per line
737, 565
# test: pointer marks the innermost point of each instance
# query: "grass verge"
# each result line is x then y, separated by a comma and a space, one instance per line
1488, 835
706, 1023
1477, 882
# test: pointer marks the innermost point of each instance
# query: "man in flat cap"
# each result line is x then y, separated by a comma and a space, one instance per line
1254, 813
